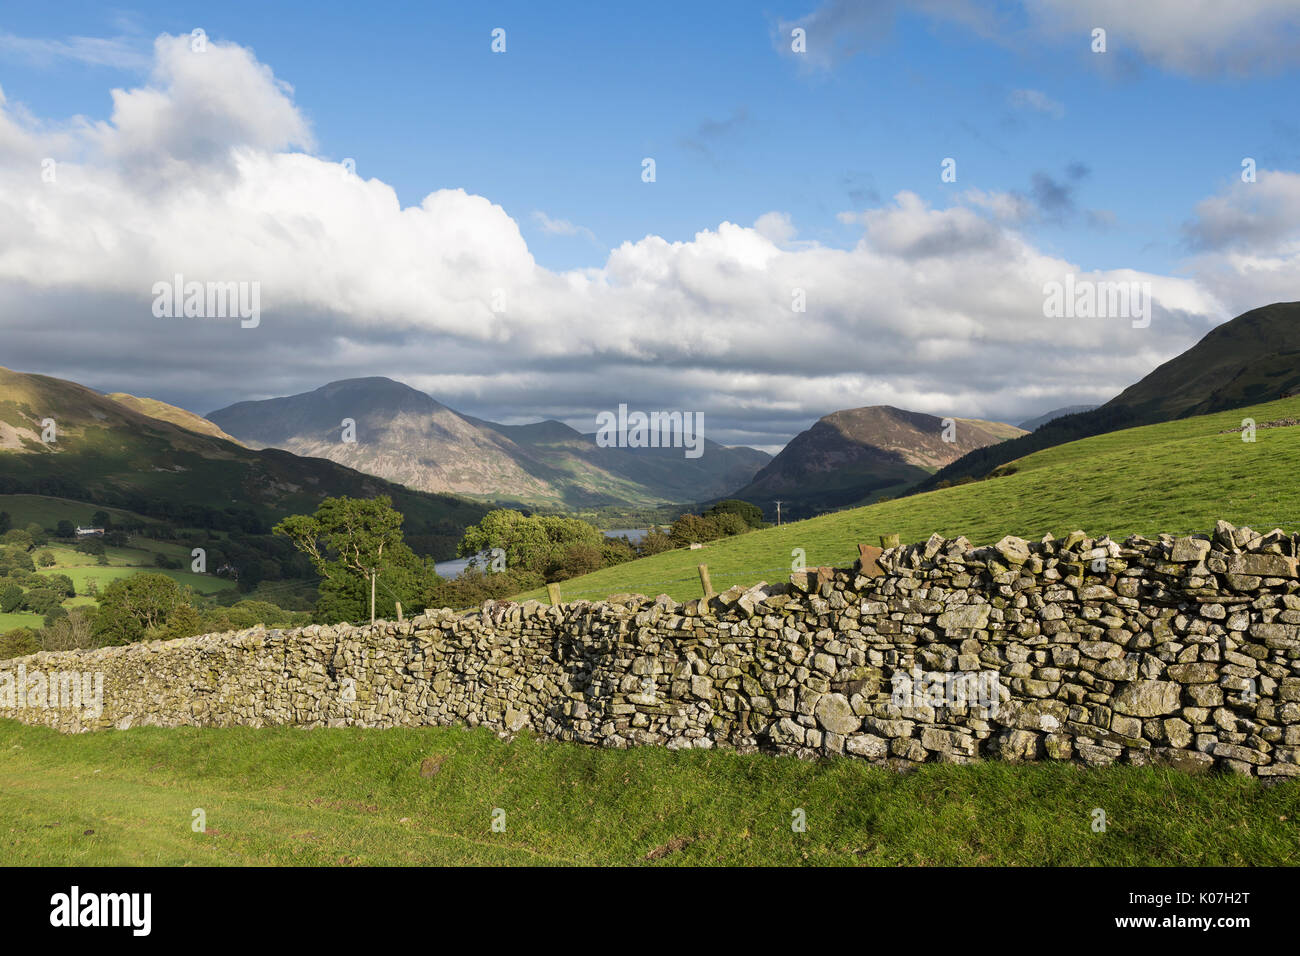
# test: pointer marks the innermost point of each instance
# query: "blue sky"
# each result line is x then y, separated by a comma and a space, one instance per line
561, 121
1106, 158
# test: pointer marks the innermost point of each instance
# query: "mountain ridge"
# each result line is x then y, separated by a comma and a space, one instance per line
852, 455
405, 435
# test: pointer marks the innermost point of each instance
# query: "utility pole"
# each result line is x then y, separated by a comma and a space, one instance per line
778, 514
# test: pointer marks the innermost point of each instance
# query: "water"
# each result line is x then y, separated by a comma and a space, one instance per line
449, 569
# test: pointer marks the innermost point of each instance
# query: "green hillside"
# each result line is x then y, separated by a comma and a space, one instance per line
355, 797
1253, 358
1177, 476
112, 455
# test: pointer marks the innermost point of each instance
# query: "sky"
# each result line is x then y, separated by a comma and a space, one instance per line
476, 222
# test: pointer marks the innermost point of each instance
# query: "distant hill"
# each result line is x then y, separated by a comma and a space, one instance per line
855, 455
1038, 421
1251, 359
170, 413
108, 453
1126, 482
404, 435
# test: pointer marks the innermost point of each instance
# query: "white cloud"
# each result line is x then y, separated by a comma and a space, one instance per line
937, 309
1186, 36
1198, 37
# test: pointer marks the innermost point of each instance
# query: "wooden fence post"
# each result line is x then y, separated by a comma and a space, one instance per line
705, 582
399, 611
553, 592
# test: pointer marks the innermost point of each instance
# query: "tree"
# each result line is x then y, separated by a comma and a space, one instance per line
46, 559
531, 542
61, 583
752, 514
40, 600
5, 522
65, 529
11, 596
348, 537
131, 606
688, 529
100, 519
16, 537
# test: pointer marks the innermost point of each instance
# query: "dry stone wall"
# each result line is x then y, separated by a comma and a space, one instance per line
1183, 651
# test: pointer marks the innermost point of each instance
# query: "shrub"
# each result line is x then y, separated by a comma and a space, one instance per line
729, 523
576, 559
617, 550
18, 642
72, 631
46, 559
11, 597
473, 586
690, 529
655, 542
183, 621
751, 514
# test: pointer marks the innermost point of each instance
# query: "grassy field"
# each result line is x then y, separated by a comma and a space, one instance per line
84, 569
1177, 477
278, 796
14, 619
48, 512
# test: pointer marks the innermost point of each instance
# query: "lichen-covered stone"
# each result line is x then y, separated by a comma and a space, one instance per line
1183, 651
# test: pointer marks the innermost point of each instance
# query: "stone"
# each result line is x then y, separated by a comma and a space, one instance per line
1013, 550
1189, 550
1183, 652
835, 714
1263, 565
1148, 698
967, 616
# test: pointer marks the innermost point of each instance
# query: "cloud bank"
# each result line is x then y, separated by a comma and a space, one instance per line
207, 171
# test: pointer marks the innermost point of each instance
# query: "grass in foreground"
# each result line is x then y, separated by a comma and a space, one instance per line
288, 796
1177, 477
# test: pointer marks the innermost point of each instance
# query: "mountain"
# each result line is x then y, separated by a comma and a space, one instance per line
1251, 359
170, 413
1031, 424
106, 452
404, 435
852, 456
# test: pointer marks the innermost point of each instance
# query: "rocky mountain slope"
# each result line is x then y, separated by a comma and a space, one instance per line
858, 454
404, 435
